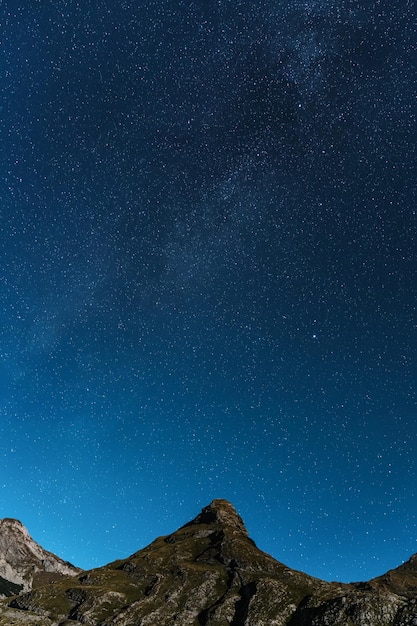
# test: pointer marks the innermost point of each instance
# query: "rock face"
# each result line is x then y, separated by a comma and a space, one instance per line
24, 563
210, 573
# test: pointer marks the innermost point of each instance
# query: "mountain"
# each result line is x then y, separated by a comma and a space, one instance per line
210, 573
24, 563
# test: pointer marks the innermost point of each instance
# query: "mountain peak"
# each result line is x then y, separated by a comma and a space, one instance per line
23, 561
209, 572
9, 525
221, 512
9, 522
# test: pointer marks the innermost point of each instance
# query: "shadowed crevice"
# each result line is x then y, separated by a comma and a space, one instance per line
242, 606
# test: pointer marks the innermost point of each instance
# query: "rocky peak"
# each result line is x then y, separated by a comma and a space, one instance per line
12, 527
23, 561
10, 521
11, 524
223, 513
209, 572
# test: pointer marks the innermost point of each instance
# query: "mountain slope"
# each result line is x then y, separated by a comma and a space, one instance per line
24, 563
210, 573
207, 572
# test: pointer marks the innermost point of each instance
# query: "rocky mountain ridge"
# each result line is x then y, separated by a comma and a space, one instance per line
24, 563
210, 573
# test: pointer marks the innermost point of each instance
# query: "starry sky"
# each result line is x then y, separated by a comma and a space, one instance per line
208, 281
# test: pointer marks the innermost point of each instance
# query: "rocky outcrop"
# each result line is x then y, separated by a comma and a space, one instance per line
24, 563
210, 573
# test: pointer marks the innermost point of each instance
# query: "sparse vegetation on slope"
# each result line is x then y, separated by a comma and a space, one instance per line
210, 573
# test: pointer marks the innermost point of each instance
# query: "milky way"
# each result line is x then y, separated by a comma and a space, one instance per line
208, 278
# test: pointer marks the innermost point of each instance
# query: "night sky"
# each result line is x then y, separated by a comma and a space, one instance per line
208, 275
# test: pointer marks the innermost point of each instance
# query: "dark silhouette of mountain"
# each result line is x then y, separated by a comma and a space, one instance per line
210, 573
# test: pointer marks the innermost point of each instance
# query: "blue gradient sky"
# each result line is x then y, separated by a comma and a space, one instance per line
208, 278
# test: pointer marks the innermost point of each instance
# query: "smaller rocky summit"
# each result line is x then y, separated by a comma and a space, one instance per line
24, 564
